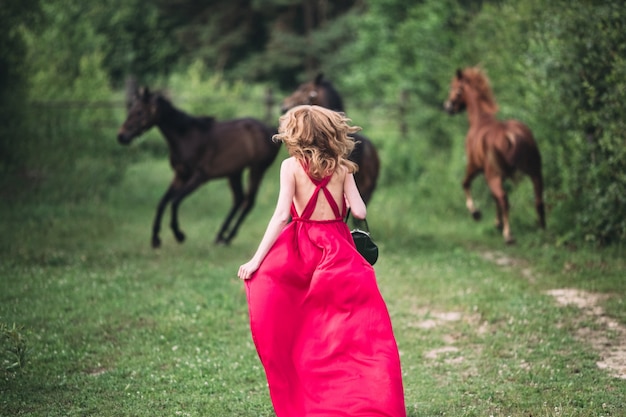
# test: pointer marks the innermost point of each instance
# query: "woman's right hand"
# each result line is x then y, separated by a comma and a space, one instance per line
246, 270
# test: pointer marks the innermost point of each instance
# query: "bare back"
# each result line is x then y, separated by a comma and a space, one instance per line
305, 189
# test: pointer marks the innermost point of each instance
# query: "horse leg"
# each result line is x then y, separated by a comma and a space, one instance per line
498, 222
470, 174
502, 202
156, 225
190, 186
238, 199
256, 175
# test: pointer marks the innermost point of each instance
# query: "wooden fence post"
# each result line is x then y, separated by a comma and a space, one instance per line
269, 105
131, 90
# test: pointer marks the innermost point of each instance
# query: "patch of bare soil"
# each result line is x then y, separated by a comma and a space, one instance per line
431, 319
501, 259
607, 336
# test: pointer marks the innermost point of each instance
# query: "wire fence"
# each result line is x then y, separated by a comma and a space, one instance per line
62, 115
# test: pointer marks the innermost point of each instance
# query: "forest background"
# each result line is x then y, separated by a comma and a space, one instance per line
559, 66
109, 326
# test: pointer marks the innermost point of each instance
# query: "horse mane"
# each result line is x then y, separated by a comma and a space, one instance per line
477, 79
180, 120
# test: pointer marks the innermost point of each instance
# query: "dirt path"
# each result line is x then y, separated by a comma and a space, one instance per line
607, 336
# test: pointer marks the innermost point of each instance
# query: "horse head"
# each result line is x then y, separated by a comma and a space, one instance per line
143, 113
318, 92
470, 85
456, 98
306, 94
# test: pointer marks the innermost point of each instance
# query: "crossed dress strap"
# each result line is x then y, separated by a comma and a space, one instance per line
310, 206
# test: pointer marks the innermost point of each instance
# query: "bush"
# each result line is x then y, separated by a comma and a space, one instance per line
13, 347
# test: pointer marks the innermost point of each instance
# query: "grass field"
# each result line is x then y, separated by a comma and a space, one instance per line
115, 328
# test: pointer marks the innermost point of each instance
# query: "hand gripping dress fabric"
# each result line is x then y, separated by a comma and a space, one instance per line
320, 325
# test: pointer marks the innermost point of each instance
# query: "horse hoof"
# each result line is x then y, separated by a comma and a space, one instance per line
221, 241
156, 243
510, 241
477, 215
180, 236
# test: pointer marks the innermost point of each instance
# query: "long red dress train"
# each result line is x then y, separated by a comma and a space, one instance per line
320, 325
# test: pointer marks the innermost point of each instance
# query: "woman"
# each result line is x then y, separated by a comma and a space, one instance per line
318, 320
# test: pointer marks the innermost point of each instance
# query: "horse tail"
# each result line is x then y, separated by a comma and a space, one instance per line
524, 155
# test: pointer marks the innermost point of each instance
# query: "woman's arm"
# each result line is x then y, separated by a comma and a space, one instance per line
277, 222
355, 202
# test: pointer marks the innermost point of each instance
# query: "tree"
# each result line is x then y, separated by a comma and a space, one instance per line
580, 47
259, 40
14, 15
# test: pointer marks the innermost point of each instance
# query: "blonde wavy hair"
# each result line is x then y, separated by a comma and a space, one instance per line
318, 136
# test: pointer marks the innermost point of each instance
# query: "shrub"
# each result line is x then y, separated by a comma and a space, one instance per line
13, 347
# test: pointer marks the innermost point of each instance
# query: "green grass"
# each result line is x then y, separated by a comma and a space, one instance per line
115, 328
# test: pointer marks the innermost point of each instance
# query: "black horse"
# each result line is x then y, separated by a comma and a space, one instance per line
201, 149
321, 92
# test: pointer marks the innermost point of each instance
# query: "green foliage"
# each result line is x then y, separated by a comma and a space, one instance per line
14, 15
559, 68
72, 136
403, 48
129, 36
261, 41
13, 75
138, 39
74, 31
198, 91
56, 47
116, 328
65, 128
579, 47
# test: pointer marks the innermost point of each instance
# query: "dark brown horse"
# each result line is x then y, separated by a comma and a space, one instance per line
321, 92
201, 149
496, 148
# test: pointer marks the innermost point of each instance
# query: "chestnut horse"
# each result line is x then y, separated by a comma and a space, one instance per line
496, 148
321, 92
201, 149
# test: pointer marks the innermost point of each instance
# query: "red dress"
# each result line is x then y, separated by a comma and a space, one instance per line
320, 325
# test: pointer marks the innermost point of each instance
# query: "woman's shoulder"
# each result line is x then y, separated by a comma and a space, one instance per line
289, 162
290, 166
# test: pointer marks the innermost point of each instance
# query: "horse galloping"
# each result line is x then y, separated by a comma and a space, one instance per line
201, 149
496, 148
321, 92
